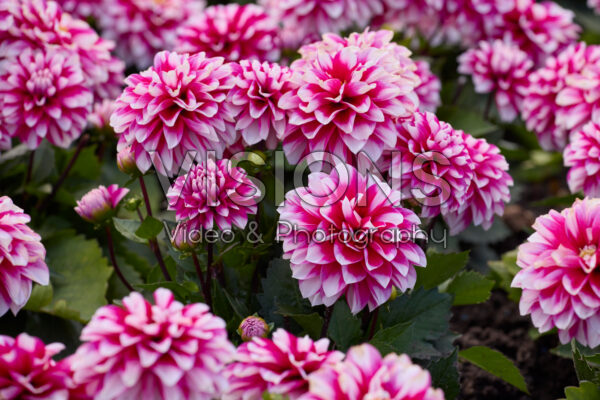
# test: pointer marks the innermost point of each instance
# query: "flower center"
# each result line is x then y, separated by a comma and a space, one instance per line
588, 255
41, 82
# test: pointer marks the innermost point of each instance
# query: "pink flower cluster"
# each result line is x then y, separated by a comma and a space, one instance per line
345, 235
21, 258
562, 96
559, 275
502, 69
428, 91
449, 172
144, 351
214, 193
53, 67
235, 32
365, 374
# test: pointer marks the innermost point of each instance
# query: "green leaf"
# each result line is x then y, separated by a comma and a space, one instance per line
469, 121
470, 287
87, 165
585, 391
496, 364
586, 371
444, 374
504, 271
344, 328
421, 318
129, 228
41, 296
477, 235
149, 229
311, 323
440, 267
79, 276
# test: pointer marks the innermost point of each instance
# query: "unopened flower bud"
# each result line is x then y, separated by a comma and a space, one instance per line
99, 204
180, 239
253, 326
126, 161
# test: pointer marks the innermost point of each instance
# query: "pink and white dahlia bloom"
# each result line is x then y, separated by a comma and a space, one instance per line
99, 118
214, 193
100, 204
488, 191
559, 275
551, 117
37, 24
44, 95
82, 9
164, 350
429, 89
345, 235
431, 164
594, 5
539, 29
278, 366
500, 68
582, 155
365, 374
5, 141
27, 370
141, 28
177, 106
255, 99
235, 32
347, 99
22, 257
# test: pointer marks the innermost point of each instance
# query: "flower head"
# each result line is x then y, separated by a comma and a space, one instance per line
99, 118
44, 95
559, 278
27, 370
278, 366
126, 161
431, 164
79, 8
235, 32
595, 5
346, 97
429, 89
582, 155
502, 69
21, 258
143, 350
253, 326
344, 234
100, 204
365, 374
214, 193
488, 191
141, 28
255, 98
175, 107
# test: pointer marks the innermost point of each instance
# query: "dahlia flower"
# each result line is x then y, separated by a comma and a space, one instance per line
253, 326
348, 98
431, 164
552, 122
37, 24
175, 107
255, 98
488, 190
5, 142
345, 234
364, 374
164, 350
539, 29
499, 68
595, 5
126, 161
27, 370
429, 89
44, 95
278, 366
582, 155
141, 28
214, 193
21, 258
99, 204
235, 32
80, 8
304, 21
559, 278
99, 118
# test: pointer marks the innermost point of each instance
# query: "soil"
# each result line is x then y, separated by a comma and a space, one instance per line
497, 324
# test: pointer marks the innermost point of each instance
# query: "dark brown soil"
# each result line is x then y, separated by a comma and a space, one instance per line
497, 324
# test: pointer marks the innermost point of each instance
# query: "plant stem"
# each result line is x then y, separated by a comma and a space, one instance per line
373, 323
205, 283
488, 107
82, 142
29, 168
328, 313
153, 243
113, 259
